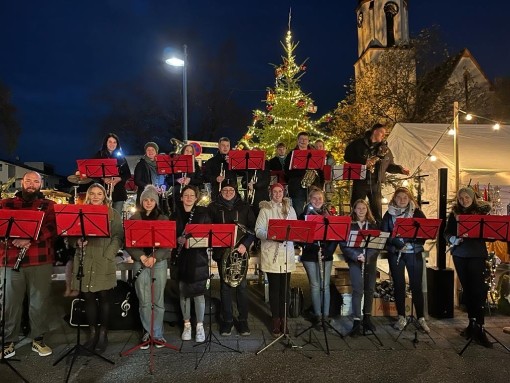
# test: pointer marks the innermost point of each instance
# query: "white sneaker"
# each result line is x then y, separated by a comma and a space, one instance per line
423, 325
401, 323
186, 334
200, 335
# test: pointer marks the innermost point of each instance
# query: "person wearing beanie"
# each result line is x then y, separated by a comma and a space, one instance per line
146, 171
405, 253
469, 257
150, 267
230, 208
277, 259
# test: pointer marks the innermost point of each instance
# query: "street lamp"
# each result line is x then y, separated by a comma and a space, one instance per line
184, 63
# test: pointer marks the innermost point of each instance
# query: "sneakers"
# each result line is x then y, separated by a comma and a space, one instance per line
506, 330
401, 323
244, 330
423, 325
186, 334
145, 338
160, 342
40, 347
8, 351
200, 334
367, 323
226, 328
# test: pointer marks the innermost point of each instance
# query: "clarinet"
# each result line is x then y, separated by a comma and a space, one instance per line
183, 234
21, 255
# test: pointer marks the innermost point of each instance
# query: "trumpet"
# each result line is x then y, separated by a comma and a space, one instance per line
19, 259
110, 189
251, 192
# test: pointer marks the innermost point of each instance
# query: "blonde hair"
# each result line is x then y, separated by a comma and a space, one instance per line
316, 190
106, 200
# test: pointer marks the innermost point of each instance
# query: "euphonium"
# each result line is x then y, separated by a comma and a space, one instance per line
251, 192
309, 178
234, 266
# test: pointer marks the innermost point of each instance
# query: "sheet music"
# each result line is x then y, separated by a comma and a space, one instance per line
358, 240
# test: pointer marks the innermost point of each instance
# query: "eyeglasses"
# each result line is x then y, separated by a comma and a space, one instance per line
228, 191
188, 196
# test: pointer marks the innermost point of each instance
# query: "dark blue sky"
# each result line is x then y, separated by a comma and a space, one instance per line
58, 54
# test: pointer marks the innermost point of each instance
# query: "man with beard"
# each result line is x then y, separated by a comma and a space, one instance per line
34, 276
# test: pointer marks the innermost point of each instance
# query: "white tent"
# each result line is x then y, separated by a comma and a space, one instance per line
484, 157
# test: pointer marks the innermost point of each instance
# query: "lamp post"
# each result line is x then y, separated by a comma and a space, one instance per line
456, 112
184, 63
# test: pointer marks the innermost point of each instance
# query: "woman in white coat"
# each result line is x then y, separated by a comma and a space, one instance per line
277, 258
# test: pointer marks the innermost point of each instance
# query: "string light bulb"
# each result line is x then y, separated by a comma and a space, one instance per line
496, 126
469, 117
433, 158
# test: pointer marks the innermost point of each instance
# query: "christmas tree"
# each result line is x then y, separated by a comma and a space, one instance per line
288, 109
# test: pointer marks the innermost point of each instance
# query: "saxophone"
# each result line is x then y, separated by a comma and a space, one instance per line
382, 150
309, 178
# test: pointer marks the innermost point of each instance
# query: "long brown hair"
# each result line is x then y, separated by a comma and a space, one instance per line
370, 217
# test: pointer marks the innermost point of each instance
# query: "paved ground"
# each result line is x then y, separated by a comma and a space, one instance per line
361, 359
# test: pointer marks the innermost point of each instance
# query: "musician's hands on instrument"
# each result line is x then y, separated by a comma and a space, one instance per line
181, 240
220, 179
241, 249
20, 243
148, 262
184, 180
250, 185
361, 258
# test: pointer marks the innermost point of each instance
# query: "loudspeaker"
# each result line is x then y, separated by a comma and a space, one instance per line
440, 292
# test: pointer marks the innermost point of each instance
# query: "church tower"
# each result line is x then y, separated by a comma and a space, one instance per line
382, 24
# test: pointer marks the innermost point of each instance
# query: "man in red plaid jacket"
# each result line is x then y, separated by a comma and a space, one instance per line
34, 276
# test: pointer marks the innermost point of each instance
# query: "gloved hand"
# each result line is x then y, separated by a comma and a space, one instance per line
398, 243
455, 240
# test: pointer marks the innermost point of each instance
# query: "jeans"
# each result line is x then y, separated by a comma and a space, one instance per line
413, 262
119, 206
363, 287
317, 284
226, 292
186, 306
158, 274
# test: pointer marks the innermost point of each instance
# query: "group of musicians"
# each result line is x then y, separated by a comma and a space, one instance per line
262, 201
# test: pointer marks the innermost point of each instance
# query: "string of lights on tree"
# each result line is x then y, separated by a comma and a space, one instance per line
288, 109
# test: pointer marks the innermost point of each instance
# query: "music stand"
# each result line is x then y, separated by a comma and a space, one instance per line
367, 239
246, 160
283, 230
329, 228
200, 235
154, 234
349, 172
413, 229
99, 168
167, 164
16, 224
81, 221
488, 227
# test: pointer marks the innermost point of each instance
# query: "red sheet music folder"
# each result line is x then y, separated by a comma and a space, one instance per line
98, 167
150, 233
493, 227
220, 235
179, 163
25, 224
337, 227
422, 228
371, 239
95, 220
349, 171
307, 159
290, 230
246, 159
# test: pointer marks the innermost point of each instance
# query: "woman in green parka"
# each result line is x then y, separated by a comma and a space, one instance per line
99, 271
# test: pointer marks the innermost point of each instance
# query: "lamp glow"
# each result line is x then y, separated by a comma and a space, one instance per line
469, 117
496, 126
433, 158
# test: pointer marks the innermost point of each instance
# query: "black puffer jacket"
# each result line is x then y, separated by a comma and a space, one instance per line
192, 264
221, 211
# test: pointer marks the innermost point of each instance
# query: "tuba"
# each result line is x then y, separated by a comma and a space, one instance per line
234, 266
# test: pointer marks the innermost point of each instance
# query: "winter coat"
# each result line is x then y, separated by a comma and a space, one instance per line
222, 212
99, 266
212, 169
193, 263
119, 190
393, 244
137, 252
275, 257
351, 253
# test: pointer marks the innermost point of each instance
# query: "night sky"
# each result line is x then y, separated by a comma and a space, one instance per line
57, 55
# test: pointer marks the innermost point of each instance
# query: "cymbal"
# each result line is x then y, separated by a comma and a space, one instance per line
78, 180
55, 193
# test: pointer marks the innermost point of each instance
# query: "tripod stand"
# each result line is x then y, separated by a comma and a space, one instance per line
86, 220
19, 225
215, 235
280, 230
150, 233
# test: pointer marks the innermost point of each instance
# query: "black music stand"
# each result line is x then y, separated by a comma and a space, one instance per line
155, 234
329, 228
367, 239
283, 230
16, 224
246, 160
167, 164
349, 172
209, 236
81, 221
413, 229
489, 227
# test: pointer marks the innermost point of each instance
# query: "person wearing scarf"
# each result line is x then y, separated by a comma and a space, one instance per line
405, 253
146, 171
469, 256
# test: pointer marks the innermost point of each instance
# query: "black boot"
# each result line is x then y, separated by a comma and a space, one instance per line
480, 336
356, 328
92, 340
102, 341
367, 323
469, 330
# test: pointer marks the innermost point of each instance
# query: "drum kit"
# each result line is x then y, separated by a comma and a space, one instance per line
77, 180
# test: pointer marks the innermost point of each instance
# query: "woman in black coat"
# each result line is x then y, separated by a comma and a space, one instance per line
192, 263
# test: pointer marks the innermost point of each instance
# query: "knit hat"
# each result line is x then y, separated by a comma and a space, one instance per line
229, 182
151, 192
469, 191
153, 144
276, 185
